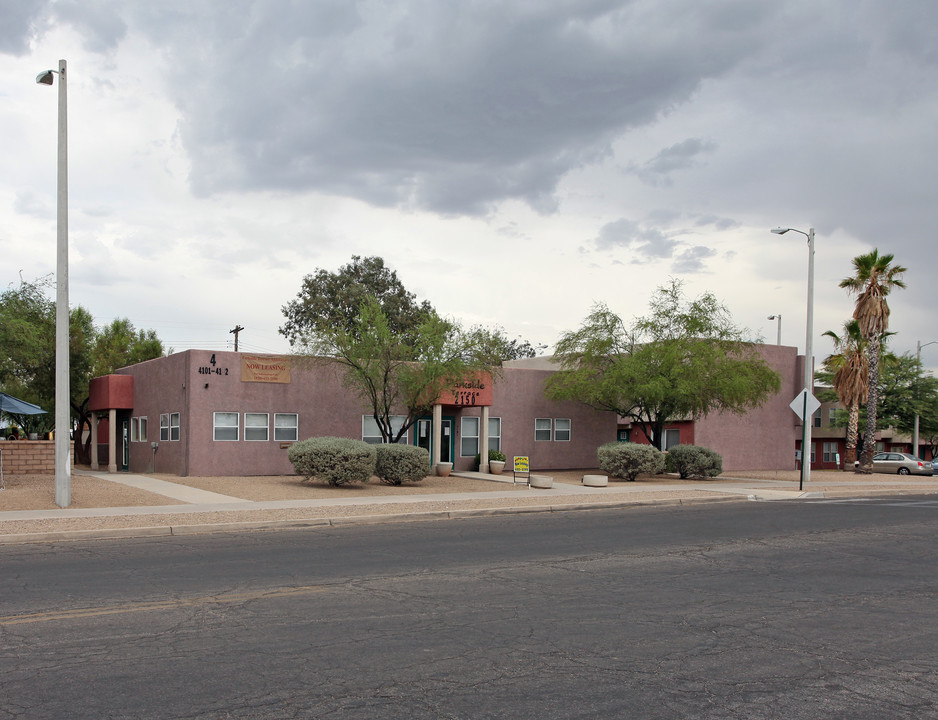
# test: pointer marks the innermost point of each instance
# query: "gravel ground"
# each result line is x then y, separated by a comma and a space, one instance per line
38, 493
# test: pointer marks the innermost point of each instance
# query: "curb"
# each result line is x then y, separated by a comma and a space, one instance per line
164, 531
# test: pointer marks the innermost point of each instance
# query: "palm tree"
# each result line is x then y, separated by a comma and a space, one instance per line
874, 278
850, 367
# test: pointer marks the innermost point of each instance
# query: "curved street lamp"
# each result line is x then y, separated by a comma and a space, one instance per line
808, 352
63, 470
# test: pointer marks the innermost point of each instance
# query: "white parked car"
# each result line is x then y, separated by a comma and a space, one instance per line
901, 463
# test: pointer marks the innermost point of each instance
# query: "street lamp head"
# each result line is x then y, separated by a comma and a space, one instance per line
780, 231
773, 317
45, 77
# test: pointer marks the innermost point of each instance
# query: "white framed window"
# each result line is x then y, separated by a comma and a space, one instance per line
671, 438
134, 429
562, 429
371, 433
225, 426
286, 427
831, 415
813, 452
143, 429
169, 426
830, 452
256, 426
817, 418
469, 437
542, 427
495, 433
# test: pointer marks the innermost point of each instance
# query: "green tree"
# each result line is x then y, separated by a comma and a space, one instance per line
394, 374
120, 344
874, 278
331, 301
848, 371
682, 361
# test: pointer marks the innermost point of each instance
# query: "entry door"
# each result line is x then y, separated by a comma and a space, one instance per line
425, 437
125, 445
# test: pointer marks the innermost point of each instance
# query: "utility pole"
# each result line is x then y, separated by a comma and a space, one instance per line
237, 329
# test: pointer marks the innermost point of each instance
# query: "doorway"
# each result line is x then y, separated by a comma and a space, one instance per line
124, 464
424, 437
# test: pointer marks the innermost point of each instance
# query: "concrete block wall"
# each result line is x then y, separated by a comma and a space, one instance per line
29, 457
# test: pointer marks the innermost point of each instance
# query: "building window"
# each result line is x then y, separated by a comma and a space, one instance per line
813, 452
817, 419
169, 426
830, 452
880, 446
542, 429
671, 438
562, 429
143, 429
285, 427
371, 433
623, 435
469, 439
831, 415
226, 426
256, 426
495, 434
134, 429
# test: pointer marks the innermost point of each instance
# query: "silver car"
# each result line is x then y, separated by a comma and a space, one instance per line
901, 463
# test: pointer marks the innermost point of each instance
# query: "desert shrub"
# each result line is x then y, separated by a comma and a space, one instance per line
338, 461
493, 455
399, 463
693, 461
629, 460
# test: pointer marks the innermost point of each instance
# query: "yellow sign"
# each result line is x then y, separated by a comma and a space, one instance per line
521, 464
266, 369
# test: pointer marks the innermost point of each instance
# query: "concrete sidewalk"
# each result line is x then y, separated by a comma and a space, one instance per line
204, 511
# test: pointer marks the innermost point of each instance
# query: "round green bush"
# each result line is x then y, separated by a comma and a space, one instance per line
694, 461
629, 460
401, 463
337, 461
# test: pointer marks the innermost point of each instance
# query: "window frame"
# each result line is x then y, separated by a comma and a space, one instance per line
558, 431
464, 436
495, 441
216, 427
295, 427
396, 422
549, 429
265, 426
829, 452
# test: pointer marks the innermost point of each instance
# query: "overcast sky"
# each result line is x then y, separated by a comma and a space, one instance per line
514, 161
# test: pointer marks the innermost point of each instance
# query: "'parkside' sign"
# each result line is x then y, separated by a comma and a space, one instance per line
471, 391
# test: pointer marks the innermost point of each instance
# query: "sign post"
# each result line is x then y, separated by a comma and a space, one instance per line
804, 406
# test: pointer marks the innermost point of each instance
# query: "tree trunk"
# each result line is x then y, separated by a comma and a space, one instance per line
869, 435
853, 425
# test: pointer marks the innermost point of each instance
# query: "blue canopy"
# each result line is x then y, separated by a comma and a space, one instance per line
15, 406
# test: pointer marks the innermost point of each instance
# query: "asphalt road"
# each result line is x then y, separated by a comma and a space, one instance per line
741, 610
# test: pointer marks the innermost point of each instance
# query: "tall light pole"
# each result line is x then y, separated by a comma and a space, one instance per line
63, 469
779, 318
918, 356
808, 354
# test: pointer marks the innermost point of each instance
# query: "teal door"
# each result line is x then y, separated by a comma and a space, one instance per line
423, 437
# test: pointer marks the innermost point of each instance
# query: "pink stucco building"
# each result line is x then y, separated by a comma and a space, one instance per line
224, 413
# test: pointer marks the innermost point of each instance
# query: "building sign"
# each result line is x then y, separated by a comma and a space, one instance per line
475, 390
265, 369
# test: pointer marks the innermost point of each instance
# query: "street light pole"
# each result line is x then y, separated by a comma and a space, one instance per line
779, 318
63, 470
808, 354
918, 357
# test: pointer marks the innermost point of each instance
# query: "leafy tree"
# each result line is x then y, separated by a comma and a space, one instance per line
683, 360
120, 344
874, 278
394, 374
328, 301
848, 369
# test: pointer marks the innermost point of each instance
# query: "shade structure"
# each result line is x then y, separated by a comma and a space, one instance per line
14, 406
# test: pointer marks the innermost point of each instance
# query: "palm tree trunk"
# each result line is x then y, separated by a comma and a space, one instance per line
869, 434
853, 427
